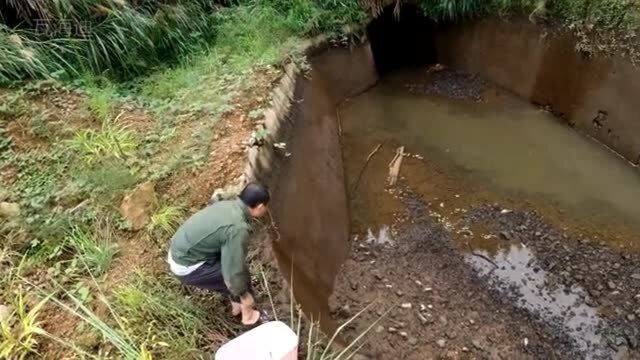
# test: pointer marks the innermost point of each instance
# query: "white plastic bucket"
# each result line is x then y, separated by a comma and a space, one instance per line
271, 341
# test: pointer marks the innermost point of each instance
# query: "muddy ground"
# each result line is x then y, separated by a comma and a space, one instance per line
443, 304
457, 271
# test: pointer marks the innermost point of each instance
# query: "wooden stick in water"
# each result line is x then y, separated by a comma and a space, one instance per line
394, 166
371, 154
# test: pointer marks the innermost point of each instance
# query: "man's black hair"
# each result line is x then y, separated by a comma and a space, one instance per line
255, 194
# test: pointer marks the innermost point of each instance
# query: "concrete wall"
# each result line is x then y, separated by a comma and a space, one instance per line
597, 95
309, 196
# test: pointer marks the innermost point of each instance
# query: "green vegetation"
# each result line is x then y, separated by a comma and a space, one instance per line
70, 37
96, 253
166, 218
604, 14
110, 141
20, 328
135, 99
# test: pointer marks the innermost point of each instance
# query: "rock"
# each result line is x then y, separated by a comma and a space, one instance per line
230, 191
5, 312
631, 317
360, 357
611, 285
88, 339
452, 355
406, 306
399, 293
441, 343
345, 311
404, 334
413, 341
379, 329
590, 302
423, 320
9, 210
465, 349
477, 344
392, 330
635, 276
622, 353
505, 235
138, 205
466, 232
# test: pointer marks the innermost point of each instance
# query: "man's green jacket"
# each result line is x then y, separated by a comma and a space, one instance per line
218, 232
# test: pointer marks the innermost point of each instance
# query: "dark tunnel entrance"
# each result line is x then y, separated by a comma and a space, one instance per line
402, 38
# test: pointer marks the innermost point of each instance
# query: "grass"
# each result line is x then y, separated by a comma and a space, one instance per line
97, 253
20, 329
171, 324
112, 140
152, 318
107, 179
100, 101
116, 335
121, 38
166, 218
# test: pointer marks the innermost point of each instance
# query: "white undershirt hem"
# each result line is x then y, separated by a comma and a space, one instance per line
182, 270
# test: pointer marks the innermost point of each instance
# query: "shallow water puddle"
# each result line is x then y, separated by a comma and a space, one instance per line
517, 272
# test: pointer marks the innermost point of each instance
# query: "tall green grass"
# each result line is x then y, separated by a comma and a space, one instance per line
312, 17
96, 251
70, 37
121, 40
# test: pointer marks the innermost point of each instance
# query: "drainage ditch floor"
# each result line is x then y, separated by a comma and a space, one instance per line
508, 234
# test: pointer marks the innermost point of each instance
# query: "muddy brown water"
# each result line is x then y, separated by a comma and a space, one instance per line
506, 145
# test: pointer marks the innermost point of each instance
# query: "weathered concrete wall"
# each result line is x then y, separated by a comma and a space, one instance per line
308, 189
597, 95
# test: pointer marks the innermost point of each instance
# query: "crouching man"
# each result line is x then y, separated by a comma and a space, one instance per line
209, 250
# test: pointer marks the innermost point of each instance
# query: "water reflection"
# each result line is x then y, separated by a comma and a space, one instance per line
517, 272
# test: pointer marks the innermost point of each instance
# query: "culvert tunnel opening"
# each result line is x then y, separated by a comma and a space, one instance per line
401, 37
